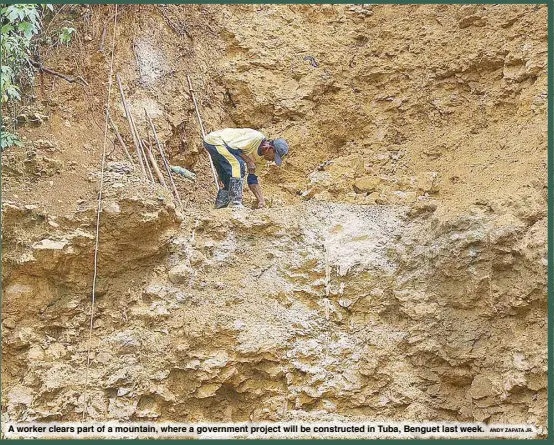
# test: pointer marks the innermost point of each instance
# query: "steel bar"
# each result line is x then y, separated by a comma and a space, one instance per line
131, 129
164, 159
154, 164
143, 151
216, 180
120, 140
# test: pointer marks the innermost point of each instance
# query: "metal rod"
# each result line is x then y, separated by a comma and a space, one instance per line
155, 164
196, 108
143, 148
216, 181
143, 151
148, 144
164, 159
130, 120
120, 139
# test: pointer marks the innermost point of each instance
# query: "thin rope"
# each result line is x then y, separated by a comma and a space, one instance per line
98, 211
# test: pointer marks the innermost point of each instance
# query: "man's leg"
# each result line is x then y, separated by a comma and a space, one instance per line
216, 160
223, 169
236, 186
237, 172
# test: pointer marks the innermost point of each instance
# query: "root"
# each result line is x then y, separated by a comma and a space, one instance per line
179, 29
43, 69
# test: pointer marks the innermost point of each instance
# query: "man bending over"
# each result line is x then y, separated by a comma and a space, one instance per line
235, 151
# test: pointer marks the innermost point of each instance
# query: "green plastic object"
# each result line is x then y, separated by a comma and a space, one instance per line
183, 172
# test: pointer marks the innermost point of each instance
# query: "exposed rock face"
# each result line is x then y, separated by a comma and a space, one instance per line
334, 308
398, 274
47, 277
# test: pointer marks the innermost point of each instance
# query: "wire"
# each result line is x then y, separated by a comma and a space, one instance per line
98, 212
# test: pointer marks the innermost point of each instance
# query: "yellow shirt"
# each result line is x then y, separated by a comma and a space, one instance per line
244, 139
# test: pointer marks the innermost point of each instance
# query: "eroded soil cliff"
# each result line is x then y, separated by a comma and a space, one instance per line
399, 272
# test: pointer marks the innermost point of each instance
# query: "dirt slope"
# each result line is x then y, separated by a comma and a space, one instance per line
400, 272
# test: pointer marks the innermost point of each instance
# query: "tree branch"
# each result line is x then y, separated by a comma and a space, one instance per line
42, 68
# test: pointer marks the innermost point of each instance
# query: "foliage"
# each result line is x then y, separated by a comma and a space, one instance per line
20, 23
8, 139
66, 35
9, 90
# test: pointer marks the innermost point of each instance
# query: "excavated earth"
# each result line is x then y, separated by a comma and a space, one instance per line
398, 273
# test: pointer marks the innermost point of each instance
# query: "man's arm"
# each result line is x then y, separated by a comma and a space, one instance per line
249, 163
252, 180
255, 188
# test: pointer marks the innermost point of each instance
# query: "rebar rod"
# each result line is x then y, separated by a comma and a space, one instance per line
154, 164
216, 181
164, 159
130, 120
120, 140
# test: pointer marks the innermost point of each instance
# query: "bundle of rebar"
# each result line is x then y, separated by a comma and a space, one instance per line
143, 148
164, 159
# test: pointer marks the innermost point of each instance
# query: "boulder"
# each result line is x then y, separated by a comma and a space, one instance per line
180, 273
482, 387
208, 390
367, 184
48, 244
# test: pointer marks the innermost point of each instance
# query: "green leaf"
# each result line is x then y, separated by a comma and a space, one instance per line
13, 14
8, 139
32, 15
66, 35
27, 29
13, 93
6, 70
7, 28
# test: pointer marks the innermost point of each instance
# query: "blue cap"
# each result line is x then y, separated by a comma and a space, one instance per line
281, 150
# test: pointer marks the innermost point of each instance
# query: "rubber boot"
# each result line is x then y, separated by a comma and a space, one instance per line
222, 199
235, 192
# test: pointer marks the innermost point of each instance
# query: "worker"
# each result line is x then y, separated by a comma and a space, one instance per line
234, 151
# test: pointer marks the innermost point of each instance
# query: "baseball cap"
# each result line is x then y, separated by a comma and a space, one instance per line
281, 150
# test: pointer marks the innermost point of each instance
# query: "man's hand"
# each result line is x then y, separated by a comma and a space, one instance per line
257, 191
